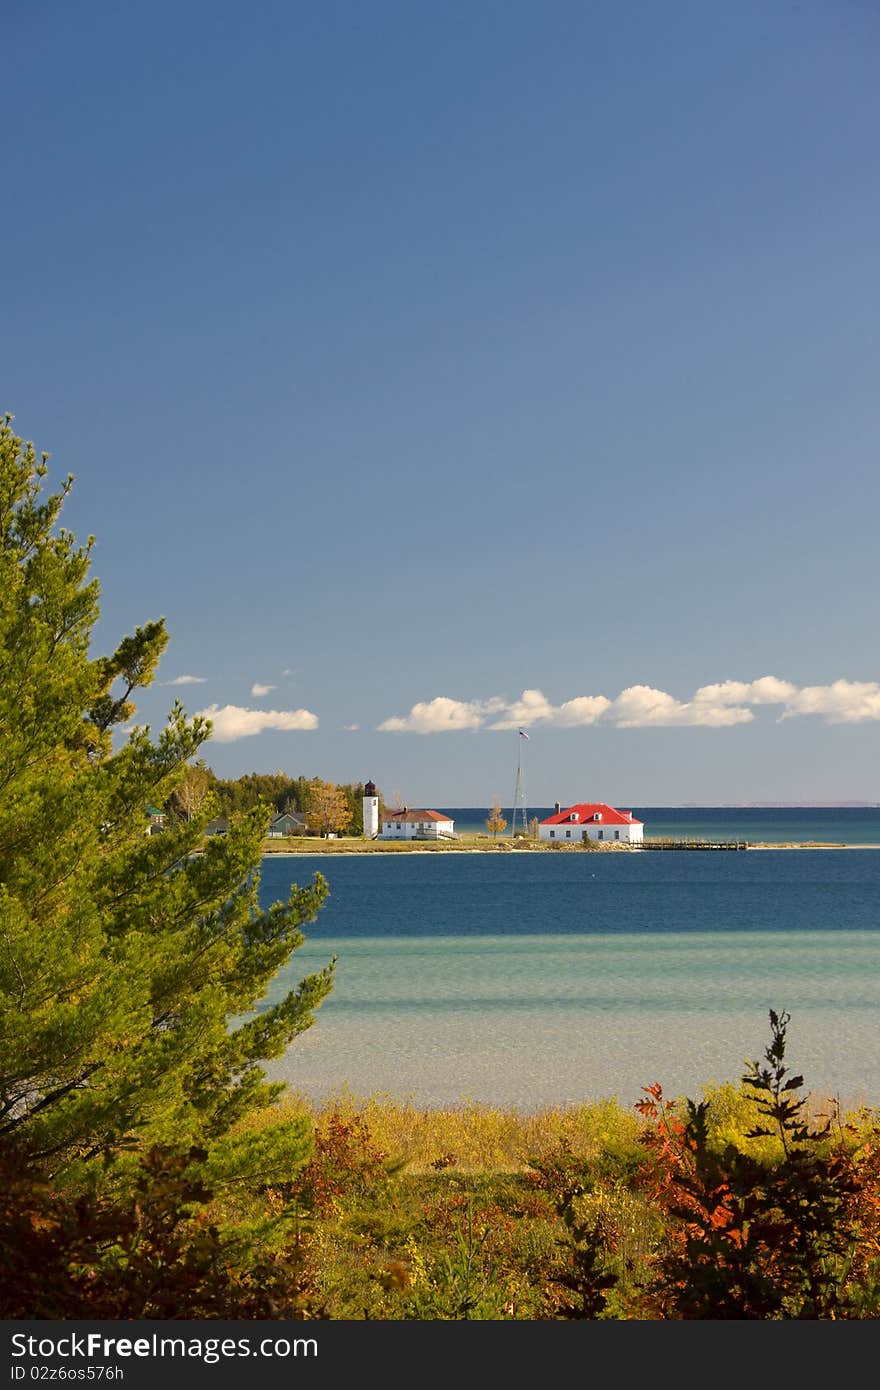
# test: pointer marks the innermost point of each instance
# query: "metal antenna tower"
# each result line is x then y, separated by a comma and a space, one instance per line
519, 792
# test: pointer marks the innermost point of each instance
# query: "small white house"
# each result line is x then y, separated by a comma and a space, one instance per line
591, 821
416, 825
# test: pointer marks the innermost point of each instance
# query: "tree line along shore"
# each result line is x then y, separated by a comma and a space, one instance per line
331, 819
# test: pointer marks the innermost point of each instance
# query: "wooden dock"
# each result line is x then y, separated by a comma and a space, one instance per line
693, 844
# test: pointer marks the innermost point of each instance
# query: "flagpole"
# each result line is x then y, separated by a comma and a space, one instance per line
518, 791
525, 812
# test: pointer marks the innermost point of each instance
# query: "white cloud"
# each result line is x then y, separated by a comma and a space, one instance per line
719, 706
583, 709
641, 706
438, 716
769, 690
350, 728
444, 715
258, 689
187, 680
843, 702
533, 707
232, 722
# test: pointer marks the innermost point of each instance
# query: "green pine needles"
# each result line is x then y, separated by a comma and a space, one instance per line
127, 960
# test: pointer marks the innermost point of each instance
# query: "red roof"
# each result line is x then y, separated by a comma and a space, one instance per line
414, 815
586, 810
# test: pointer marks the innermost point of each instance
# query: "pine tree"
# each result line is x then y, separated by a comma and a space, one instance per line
132, 966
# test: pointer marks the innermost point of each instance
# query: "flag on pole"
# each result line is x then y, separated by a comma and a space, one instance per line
523, 734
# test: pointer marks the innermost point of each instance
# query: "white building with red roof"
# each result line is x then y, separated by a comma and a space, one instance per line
416, 825
591, 820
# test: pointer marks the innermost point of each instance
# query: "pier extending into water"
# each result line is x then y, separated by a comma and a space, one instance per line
693, 844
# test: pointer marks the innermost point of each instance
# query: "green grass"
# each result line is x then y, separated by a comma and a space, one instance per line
308, 844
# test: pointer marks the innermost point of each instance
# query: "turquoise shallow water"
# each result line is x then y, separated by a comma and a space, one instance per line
535, 980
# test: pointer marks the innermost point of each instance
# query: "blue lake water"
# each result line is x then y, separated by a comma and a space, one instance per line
527, 980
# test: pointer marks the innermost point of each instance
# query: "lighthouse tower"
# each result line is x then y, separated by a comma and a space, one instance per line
371, 812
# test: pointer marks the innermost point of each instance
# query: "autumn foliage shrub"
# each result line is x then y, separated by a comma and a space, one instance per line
792, 1236
346, 1165
155, 1253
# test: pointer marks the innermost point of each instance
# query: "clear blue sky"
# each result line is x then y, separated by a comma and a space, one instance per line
410, 353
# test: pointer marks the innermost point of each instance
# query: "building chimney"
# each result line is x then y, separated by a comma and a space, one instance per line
557, 809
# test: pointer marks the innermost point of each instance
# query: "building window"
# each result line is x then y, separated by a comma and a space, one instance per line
601, 834
617, 834
552, 834
568, 834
